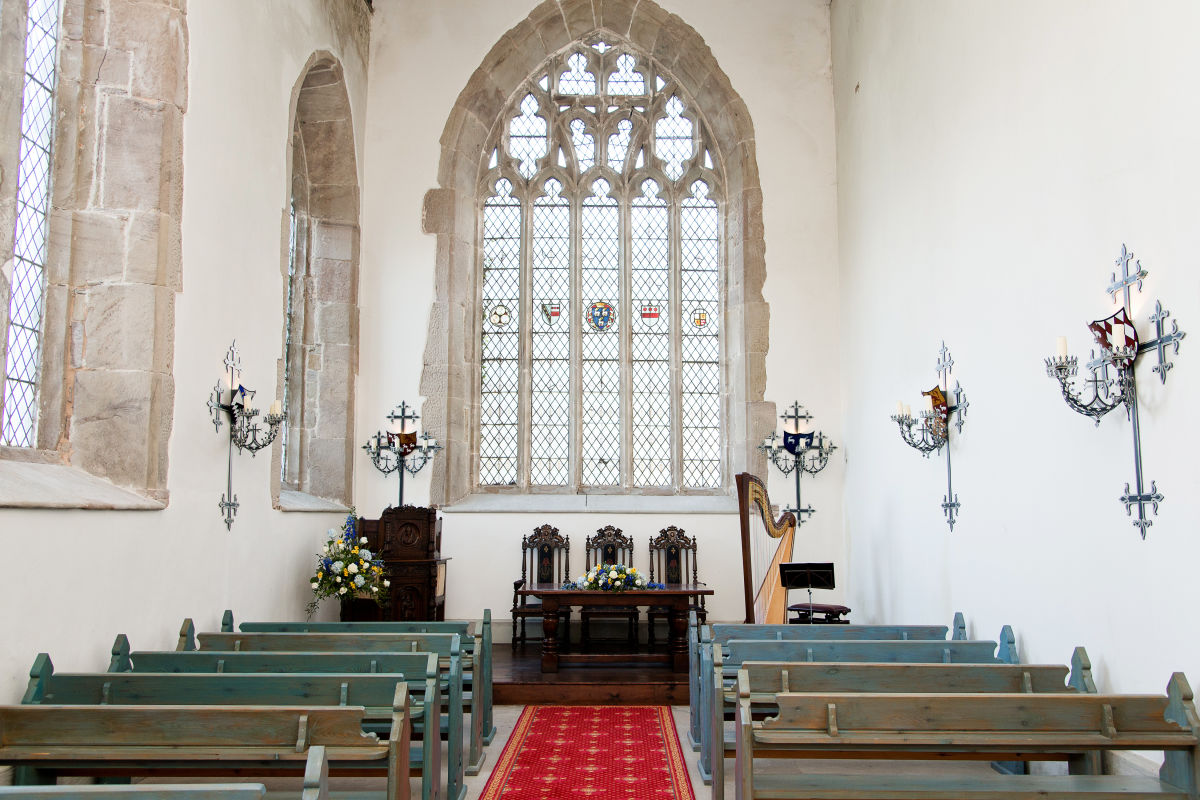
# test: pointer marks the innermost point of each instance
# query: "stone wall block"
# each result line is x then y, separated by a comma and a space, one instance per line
551, 28
67, 135
162, 407
648, 19
95, 21
164, 320
334, 202
55, 353
334, 322
437, 212
132, 154
324, 102
334, 281
97, 246
435, 341
735, 116
333, 140
579, 16
119, 327
484, 99
72, 19
328, 469
156, 35
109, 434
714, 93
107, 67
674, 37
615, 15
334, 241
695, 61
149, 246
758, 325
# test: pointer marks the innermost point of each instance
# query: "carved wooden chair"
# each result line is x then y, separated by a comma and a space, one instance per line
608, 546
545, 558
673, 561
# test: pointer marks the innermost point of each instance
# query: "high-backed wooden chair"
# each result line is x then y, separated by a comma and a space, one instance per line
545, 558
673, 561
609, 546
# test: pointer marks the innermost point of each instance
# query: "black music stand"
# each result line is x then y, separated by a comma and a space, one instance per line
818, 575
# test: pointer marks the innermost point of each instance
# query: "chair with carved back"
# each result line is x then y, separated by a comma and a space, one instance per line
608, 546
545, 559
673, 561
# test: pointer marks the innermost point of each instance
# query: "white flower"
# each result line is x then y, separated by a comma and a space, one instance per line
342, 590
581, 579
331, 533
353, 569
387, 582
374, 588
358, 581
326, 548
338, 579
363, 540
612, 574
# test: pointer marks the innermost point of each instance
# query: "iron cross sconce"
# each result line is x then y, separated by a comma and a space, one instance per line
1111, 379
390, 450
799, 453
930, 429
244, 431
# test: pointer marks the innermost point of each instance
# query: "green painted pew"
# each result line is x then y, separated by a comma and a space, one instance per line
1059, 726
477, 645
373, 692
945, 651
158, 791
701, 637
232, 662
447, 646
766, 679
43, 741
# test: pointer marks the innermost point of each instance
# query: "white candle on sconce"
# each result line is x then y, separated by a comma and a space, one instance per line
1062, 347
928, 400
907, 410
899, 408
276, 407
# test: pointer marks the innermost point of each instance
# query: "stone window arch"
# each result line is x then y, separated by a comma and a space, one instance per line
558, 41
319, 264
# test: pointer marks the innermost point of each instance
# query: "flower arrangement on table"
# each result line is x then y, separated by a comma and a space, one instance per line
612, 578
345, 567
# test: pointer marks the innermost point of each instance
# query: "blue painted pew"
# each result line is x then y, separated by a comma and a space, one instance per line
447, 646
40, 741
764, 680
705, 636
1061, 726
476, 645
373, 692
947, 651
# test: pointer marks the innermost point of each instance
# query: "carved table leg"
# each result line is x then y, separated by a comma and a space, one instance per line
677, 636
549, 634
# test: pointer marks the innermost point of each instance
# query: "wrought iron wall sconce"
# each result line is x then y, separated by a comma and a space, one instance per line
1111, 378
930, 429
800, 452
244, 431
390, 450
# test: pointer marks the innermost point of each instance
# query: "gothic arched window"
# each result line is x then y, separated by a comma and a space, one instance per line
601, 284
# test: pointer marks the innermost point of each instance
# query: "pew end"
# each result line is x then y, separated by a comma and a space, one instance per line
187, 636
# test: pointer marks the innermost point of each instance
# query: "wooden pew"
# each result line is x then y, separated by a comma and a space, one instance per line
447, 646
373, 692
477, 645
975, 726
44, 741
700, 637
946, 651
766, 679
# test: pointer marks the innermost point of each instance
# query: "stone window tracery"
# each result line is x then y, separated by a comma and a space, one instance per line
601, 284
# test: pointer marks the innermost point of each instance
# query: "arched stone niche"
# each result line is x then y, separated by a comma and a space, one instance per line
451, 366
320, 302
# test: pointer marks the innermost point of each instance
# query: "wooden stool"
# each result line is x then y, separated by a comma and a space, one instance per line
818, 614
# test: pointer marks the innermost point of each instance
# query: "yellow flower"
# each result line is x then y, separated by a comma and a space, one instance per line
633, 569
345, 572
320, 574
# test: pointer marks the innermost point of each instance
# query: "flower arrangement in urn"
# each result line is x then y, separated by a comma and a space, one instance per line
346, 568
611, 578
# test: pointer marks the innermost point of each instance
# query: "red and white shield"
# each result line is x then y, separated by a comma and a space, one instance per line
1114, 332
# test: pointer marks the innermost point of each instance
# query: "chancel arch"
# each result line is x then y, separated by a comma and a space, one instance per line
320, 261
580, 114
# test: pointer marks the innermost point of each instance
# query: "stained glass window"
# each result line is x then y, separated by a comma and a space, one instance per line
18, 426
601, 284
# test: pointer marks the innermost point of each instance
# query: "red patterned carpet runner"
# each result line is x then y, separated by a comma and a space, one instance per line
605, 752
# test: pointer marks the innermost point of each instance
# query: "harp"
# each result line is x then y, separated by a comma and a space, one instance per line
764, 548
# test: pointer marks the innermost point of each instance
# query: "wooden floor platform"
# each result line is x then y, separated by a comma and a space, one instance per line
518, 679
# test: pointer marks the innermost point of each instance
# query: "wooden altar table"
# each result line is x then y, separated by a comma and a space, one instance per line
675, 597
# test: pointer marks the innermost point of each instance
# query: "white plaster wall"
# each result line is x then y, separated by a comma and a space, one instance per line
992, 157
74, 579
777, 55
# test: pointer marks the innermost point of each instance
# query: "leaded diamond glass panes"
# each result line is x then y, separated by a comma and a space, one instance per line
18, 426
577, 79
700, 299
499, 366
673, 139
651, 348
527, 137
610, 377
584, 145
550, 395
601, 343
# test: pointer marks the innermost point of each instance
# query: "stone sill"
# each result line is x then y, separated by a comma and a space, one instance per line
290, 500
27, 484
585, 503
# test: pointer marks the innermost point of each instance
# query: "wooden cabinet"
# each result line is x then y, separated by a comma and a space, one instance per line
409, 540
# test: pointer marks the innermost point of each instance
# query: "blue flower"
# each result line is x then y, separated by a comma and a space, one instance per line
358, 580
337, 566
364, 554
